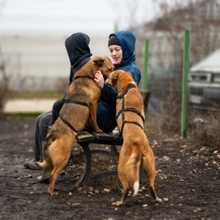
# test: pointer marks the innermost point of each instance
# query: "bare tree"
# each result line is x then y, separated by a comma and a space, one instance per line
127, 12
165, 33
4, 81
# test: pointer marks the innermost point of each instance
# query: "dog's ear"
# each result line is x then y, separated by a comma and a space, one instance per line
114, 78
99, 61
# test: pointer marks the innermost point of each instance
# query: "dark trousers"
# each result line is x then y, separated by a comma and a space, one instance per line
42, 124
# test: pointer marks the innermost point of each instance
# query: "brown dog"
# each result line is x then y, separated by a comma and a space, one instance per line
78, 110
135, 151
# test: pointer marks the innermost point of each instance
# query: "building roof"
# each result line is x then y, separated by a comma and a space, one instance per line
210, 63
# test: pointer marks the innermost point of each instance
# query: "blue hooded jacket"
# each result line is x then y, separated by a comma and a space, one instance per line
106, 108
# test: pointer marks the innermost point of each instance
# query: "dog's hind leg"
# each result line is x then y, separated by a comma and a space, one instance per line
58, 166
122, 174
53, 177
123, 198
148, 162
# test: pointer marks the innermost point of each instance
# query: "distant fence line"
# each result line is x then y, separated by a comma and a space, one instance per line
35, 61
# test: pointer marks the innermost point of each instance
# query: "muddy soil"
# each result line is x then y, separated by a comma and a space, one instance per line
188, 181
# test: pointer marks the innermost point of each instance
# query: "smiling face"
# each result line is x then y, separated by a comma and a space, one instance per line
116, 54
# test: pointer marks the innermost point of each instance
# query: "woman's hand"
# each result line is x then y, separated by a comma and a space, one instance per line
99, 79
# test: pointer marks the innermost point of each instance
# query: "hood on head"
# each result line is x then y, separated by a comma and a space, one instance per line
127, 41
77, 46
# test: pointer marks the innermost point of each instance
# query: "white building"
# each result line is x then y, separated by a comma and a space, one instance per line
40, 61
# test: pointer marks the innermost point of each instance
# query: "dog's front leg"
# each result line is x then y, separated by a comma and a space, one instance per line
93, 119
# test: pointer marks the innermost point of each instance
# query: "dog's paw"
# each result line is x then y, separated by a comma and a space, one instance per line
158, 200
53, 193
118, 203
99, 131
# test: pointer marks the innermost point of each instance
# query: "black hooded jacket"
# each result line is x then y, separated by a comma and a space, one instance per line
77, 46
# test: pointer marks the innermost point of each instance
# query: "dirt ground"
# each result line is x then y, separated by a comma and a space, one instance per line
188, 181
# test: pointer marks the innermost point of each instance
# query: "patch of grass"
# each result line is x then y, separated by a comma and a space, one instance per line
23, 116
33, 94
204, 128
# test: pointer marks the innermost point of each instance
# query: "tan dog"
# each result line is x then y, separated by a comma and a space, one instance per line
135, 151
79, 109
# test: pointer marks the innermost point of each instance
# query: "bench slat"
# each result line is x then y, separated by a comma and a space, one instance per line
85, 137
103, 136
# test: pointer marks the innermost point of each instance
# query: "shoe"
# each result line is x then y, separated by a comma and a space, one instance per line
115, 131
45, 177
31, 165
26, 164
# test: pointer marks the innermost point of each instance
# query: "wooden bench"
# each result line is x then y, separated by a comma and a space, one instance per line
85, 139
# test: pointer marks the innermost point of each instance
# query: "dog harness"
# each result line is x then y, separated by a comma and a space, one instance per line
123, 110
68, 100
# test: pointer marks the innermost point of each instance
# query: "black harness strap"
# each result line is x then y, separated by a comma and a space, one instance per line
68, 100
132, 122
123, 110
88, 77
77, 77
130, 110
67, 123
76, 102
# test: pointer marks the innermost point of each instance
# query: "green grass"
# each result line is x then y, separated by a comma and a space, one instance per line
22, 116
34, 94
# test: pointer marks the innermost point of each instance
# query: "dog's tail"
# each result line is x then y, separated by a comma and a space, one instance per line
133, 167
136, 187
43, 165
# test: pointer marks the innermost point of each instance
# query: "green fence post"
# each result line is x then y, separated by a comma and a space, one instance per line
145, 74
185, 84
115, 26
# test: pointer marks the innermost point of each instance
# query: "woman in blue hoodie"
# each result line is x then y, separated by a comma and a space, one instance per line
121, 46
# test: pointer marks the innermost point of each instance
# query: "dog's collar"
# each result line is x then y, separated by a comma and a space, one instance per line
77, 77
68, 100
125, 91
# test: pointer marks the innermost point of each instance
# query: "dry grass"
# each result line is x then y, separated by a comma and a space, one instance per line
204, 128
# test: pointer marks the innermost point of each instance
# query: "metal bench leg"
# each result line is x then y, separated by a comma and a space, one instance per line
84, 178
113, 150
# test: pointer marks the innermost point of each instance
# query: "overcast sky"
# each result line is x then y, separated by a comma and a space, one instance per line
74, 15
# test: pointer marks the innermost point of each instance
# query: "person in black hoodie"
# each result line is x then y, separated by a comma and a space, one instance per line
77, 46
